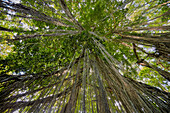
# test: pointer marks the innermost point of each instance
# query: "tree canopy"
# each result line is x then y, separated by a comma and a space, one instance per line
85, 56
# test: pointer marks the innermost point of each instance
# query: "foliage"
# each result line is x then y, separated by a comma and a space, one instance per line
84, 56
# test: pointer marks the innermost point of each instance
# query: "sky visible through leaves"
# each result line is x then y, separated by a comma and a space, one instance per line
84, 55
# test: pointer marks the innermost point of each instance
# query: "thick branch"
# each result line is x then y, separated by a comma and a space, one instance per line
144, 38
34, 13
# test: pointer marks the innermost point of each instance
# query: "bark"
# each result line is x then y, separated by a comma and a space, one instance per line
157, 96
34, 13
145, 39
71, 105
21, 104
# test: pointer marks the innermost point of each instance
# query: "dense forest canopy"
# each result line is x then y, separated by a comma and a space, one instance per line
85, 56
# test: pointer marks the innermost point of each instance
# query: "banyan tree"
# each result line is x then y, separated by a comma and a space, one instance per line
84, 56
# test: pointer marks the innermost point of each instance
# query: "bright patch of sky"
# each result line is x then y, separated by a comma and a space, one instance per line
15, 1
168, 83
120, 0
151, 49
118, 104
